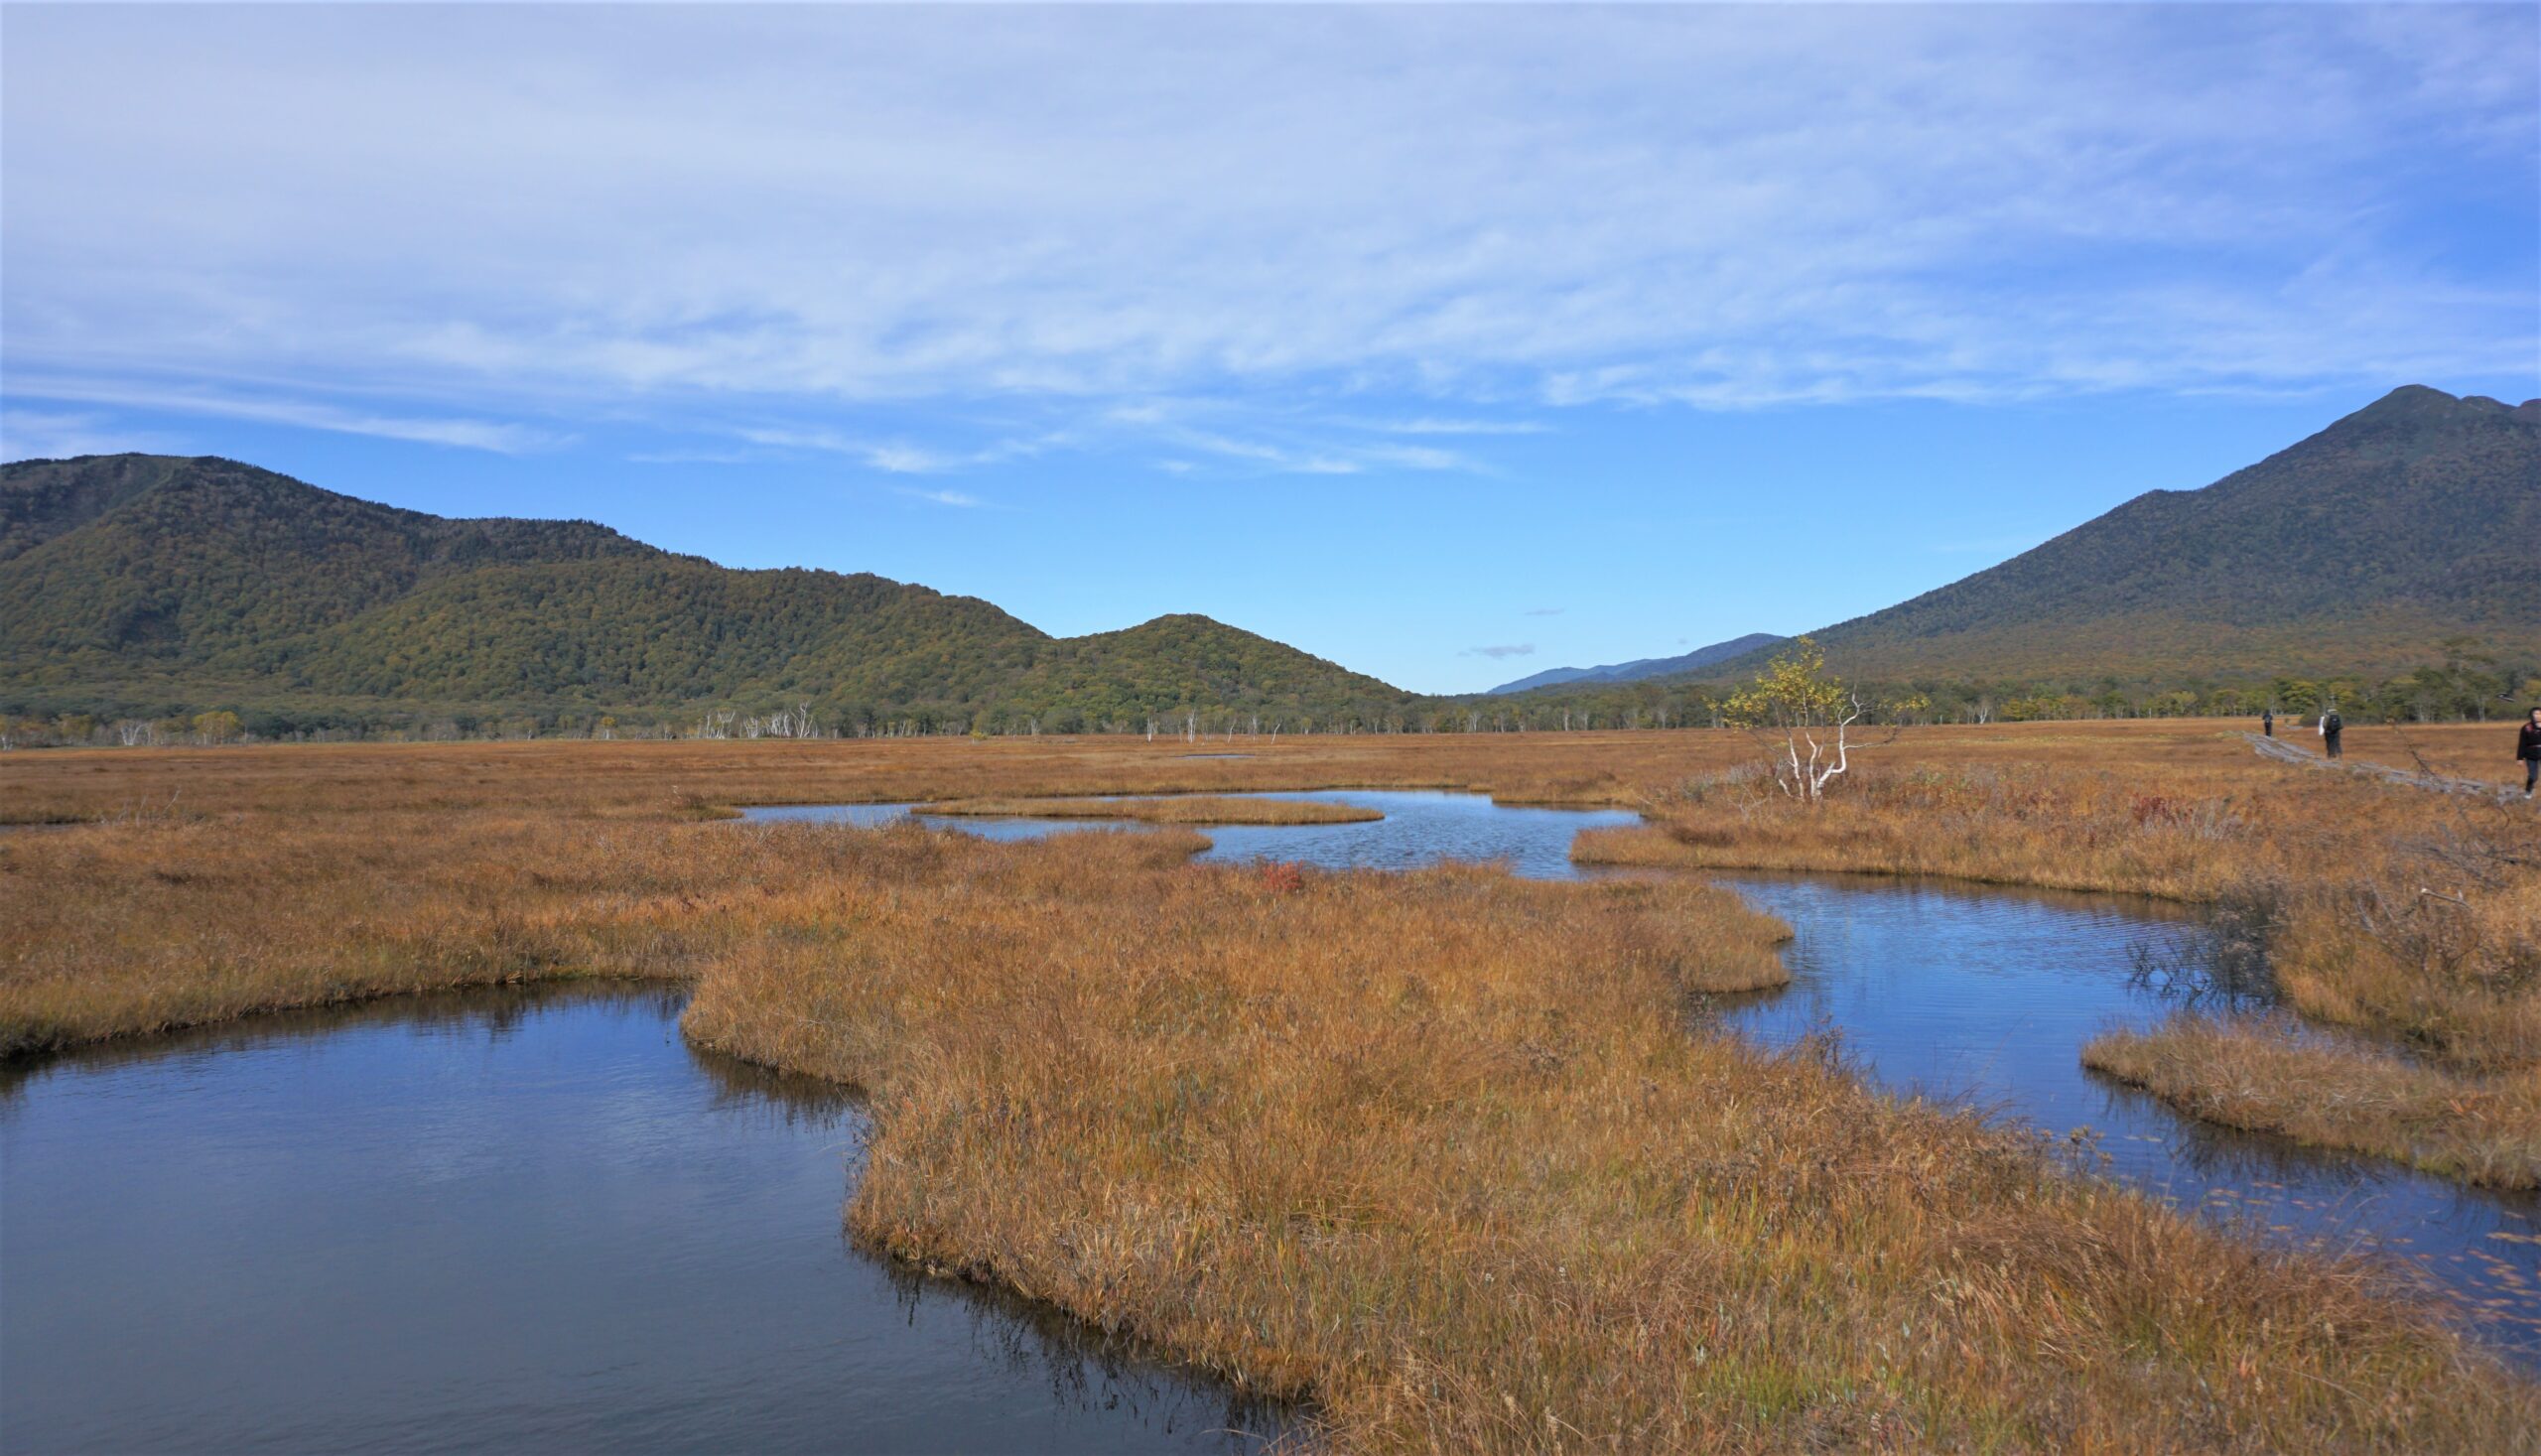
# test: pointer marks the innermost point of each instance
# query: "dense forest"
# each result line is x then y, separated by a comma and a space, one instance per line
144, 589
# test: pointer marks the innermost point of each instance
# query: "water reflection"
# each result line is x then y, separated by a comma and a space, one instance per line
516, 1218
1421, 827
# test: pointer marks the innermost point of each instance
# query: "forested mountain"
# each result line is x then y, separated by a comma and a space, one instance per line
2360, 548
133, 581
142, 584
1642, 667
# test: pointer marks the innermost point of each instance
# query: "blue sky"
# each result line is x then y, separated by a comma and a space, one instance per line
1449, 344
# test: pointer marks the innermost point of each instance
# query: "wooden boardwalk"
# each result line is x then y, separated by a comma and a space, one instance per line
2284, 751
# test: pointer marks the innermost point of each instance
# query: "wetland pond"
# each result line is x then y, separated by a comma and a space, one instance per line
537, 1219
517, 1220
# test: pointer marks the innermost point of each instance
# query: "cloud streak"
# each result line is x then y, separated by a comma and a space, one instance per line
501, 437
942, 497
55, 435
1492, 214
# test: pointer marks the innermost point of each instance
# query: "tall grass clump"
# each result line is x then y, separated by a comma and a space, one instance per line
2253, 1074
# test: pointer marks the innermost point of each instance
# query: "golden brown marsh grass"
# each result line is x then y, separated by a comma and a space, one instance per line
1437, 1148
2485, 1130
1440, 1151
2179, 808
642, 777
1192, 809
1624, 768
110, 930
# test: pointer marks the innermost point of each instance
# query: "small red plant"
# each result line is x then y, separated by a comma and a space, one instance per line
2150, 809
1281, 878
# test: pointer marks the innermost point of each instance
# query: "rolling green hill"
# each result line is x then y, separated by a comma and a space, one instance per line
130, 580
2415, 520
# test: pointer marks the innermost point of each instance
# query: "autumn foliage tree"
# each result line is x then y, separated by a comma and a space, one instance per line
1804, 716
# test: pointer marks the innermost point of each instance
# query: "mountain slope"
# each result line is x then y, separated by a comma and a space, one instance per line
1642, 667
1193, 659
208, 581
120, 560
2358, 549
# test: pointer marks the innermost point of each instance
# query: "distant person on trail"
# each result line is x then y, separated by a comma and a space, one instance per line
2267, 722
2331, 727
2528, 750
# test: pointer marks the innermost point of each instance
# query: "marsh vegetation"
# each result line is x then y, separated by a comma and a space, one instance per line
1443, 1150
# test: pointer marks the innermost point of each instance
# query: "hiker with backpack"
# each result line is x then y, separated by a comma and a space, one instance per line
2528, 750
2331, 727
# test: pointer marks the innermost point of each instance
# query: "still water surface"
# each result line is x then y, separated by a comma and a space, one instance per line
506, 1220
1421, 827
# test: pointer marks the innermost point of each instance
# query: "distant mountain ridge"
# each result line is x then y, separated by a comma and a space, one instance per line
1642, 667
2360, 548
133, 581
205, 579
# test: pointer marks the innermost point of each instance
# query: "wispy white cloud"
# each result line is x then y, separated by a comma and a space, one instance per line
897, 456
1493, 214
907, 459
687, 457
1434, 425
1545, 610
1418, 457
1516, 649
501, 437
43, 435
941, 498
1272, 443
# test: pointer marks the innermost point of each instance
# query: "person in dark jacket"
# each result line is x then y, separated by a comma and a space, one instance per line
2331, 727
2527, 750
2267, 722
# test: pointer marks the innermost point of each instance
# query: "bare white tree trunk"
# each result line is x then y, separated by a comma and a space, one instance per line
1808, 778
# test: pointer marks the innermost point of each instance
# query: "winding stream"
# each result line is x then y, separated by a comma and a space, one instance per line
1981, 993
1988, 995
539, 1220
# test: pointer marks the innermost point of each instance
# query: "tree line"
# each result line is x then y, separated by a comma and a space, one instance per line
2462, 683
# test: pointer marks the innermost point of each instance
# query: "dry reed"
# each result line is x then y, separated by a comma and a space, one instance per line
2485, 1130
1440, 1151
